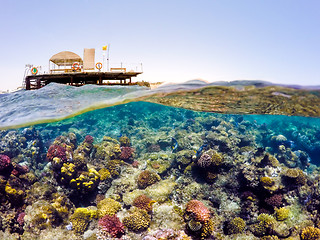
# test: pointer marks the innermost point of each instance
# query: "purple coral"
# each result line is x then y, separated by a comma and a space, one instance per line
126, 153
111, 225
274, 200
5, 162
88, 139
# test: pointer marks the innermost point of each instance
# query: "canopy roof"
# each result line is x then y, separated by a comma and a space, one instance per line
65, 58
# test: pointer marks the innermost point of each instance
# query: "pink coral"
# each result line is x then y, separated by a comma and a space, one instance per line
111, 225
205, 160
198, 211
56, 151
19, 169
126, 153
5, 162
88, 139
20, 218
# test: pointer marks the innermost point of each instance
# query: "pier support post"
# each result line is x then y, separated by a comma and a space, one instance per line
38, 83
27, 84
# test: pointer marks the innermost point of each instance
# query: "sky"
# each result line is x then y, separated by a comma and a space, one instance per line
175, 40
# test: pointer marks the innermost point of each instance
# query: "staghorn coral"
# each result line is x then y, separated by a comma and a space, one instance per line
236, 225
108, 206
143, 202
138, 220
111, 226
310, 233
80, 219
147, 178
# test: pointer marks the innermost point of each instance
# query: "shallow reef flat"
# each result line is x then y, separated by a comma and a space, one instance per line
145, 171
274, 100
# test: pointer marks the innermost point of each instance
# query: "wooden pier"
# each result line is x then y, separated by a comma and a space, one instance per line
80, 78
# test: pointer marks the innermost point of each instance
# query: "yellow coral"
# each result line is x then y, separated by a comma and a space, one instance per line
108, 206
104, 174
68, 170
236, 225
273, 237
138, 220
282, 213
207, 229
266, 181
310, 233
80, 219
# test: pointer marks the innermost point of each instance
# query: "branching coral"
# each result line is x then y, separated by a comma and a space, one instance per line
282, 213
310, 233
111, 225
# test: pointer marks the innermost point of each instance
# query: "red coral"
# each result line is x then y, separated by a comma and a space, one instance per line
19, 169
135, 164
126, 153
198, 211
274, 200
143, 202
5, 162
88, 139
111, 225
56, 151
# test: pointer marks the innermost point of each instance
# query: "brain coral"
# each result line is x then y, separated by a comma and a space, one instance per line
108, 206
198, 211
138, 220
147, 178
310, 233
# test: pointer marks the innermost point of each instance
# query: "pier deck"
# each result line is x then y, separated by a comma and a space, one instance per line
80, 78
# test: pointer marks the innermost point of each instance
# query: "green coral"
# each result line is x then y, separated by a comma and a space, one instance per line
265, 225
124, 141
68, 171
138, 220
236, 225
80, 219
108, 206
104, 174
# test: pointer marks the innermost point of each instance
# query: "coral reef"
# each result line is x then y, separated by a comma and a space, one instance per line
138, 220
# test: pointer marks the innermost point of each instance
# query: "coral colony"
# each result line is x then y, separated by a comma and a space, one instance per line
142, 171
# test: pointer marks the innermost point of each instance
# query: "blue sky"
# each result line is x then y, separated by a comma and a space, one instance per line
177, 40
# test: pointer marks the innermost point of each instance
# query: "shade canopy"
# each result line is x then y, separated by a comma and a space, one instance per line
65, 58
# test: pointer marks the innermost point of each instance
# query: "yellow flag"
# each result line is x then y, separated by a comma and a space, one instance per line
104, 48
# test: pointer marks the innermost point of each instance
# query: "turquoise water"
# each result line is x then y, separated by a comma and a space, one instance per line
238, 166
136, 118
